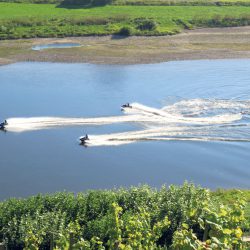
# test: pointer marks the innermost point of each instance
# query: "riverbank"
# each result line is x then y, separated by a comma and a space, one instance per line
209, 43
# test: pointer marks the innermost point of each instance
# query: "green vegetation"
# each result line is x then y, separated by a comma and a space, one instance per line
185, 217
182, 2
229, 196
140, 2
50, 20
124, 31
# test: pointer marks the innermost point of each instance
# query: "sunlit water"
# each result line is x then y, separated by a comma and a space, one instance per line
56, 46
189, 121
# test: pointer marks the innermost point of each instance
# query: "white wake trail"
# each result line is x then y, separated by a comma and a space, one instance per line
204, 133
39, 123
138, 114
164, 116
195, 119
197, 107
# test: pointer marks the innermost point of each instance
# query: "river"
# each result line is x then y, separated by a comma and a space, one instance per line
190, 120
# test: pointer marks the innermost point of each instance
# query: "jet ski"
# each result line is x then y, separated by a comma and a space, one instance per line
83, 139
127, 105
3, 124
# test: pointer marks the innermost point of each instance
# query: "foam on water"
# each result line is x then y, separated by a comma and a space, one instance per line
184, 133
39, 123
194, 119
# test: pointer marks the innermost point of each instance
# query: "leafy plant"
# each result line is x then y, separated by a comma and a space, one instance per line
177, 217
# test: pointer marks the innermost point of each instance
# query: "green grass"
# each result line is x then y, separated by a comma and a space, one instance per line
183, 2
49, 20
160, 13
144, 2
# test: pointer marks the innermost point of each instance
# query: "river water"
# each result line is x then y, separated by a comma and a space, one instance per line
190, 120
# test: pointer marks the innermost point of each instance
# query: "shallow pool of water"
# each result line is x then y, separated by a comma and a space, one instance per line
202, 99
56, 46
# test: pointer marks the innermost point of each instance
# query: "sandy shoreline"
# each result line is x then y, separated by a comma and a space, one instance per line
215, 43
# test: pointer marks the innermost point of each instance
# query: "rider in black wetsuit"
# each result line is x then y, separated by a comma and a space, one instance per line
84, 138
126, 106
3, 124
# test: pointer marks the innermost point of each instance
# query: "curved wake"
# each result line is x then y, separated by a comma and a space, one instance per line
195, 119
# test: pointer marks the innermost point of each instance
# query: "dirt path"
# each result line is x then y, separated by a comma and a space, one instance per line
216, 43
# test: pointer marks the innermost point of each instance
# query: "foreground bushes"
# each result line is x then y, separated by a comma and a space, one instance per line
185, 217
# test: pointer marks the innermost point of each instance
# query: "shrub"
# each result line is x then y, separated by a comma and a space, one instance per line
185, 217
3, 28
125, 31
100, 2
85, 2
66, 3
145, 24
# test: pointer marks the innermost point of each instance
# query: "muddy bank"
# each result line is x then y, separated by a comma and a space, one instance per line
4, 61
215, 43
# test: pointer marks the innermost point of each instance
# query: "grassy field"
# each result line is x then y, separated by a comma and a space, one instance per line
183, 2
49, 20
160, 13
143, 2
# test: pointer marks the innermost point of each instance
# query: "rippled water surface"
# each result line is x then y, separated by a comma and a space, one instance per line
189, 120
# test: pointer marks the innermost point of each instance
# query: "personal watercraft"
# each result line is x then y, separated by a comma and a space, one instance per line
3, 124
127, 105
83, 139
